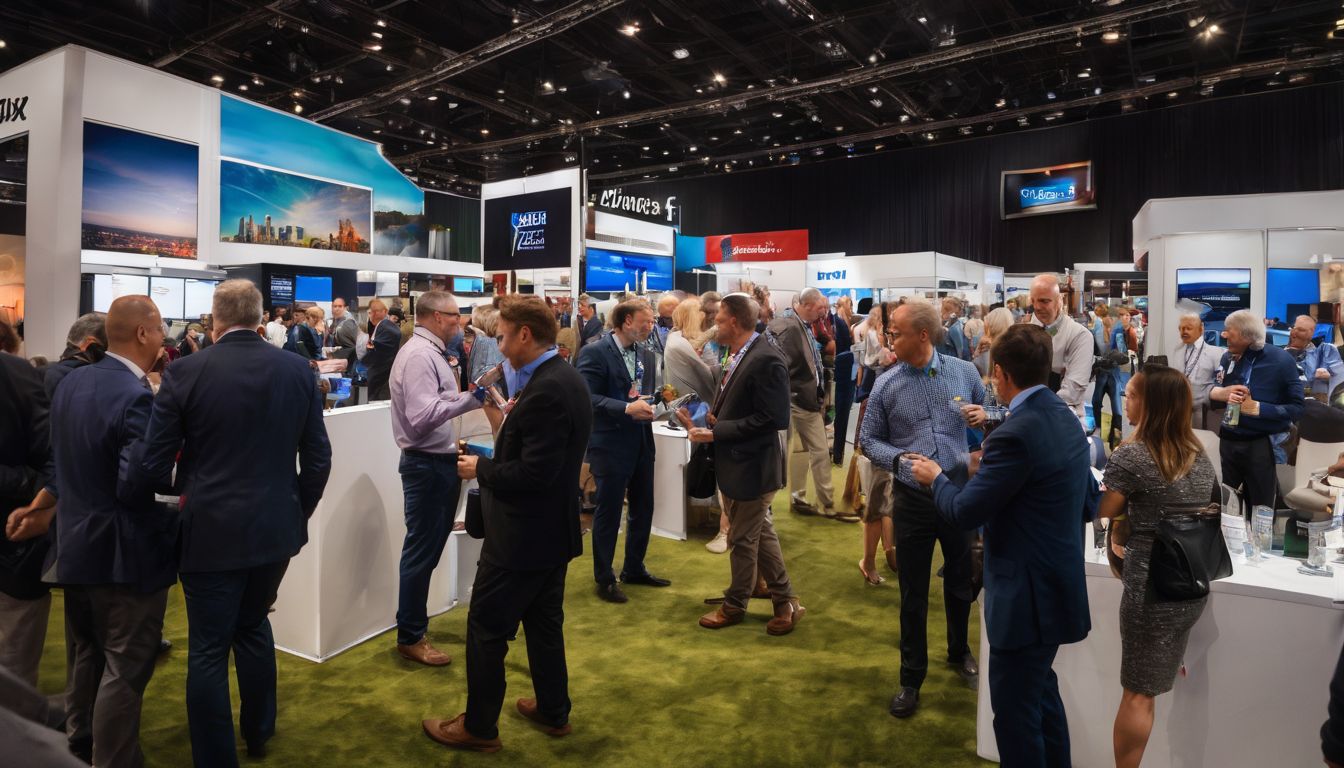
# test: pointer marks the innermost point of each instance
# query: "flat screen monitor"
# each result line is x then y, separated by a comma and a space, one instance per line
169, 295
314, 289
107, 288
388, 284
282, 290
468, 285
618, 271
1055, 189
1213, 293
1285, 288
200, 294
1325, 331
530, 231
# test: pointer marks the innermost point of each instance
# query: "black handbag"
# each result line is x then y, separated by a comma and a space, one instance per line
475, 517
700, 480
1189, 552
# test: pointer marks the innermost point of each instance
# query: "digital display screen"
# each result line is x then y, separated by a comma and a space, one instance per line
169, 294
388, 284
468, 285
314, 289
530, 231
282, 290
1055, 189
1284, 287
108, 288
1213, 293
618, 271
199, 296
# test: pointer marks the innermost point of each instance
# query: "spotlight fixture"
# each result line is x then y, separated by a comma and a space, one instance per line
298, 109
719, 78
433, 97
966, 130
630, 30
839, 128
242, 86
776, 115
905, 118
876, 103
923, 19
378, 35
297, 94
257, 81
1096, 91
547, 86
1001, 103
625, 94
1084, 74
1172, 94
485, 131
1050, 95
375, 47
381, 23
681, 53
216, 78
737, 131
1110, 36
692, 148
930, 136
405, 102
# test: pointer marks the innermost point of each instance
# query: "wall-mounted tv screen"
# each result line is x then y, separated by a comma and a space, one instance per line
198, 297
108, 288
1287, 287
530, 231
310, 288
282, 290
1213, 293
468, 285
169, 295
1055, 189
618, 271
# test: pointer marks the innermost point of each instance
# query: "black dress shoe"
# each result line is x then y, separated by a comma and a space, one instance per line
647, 579
611, 593
256, 749
905, 703
967, 669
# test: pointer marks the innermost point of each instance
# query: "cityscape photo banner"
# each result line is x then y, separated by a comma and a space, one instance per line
140, 193
268, 207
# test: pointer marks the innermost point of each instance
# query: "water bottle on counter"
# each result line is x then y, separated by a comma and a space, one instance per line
1262, 530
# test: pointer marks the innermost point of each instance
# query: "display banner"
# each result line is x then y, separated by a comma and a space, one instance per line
784, 245
663, 210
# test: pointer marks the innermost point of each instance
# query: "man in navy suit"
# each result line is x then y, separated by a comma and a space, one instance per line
384, 341
1032, 494
112, 544
238, 412
620, 372
590, 325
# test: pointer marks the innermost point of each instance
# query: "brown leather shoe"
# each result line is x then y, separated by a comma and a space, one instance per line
761, 592
424, 653
787, 616
720, 618
453, 733
528, 708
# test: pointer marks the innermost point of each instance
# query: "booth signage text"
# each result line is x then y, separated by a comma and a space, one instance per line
838, 274
784, 245
12, 109
646, 208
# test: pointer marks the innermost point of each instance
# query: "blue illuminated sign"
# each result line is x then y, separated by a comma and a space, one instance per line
1056, 191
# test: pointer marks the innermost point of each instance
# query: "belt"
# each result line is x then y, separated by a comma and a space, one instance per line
452, 456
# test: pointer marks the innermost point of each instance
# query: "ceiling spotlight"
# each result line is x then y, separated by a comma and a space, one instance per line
681, 53
381, 23
1001, 103
375, 47
216, 78
1050, 95
625, 94
776, 115
1023, 121
242, 86
377, 130
257, 81
297, 94
875, 102
485, 131
905, 118
378, 35
1084, 75
872, 58
630, 30
691, 148
1096, 91
1172, 94
923, 19
699, 90
405, 102
879, 147
1110, 36
562, 89
713, 138
737, 131
966, 130
646, 149
665, 152
453, 105
719, 78
434, 97
930, 136
517, 20
839, 127
1214, 29
547, 86
298, 109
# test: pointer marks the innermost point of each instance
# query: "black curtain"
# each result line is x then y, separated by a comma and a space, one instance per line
463, 216
945, 197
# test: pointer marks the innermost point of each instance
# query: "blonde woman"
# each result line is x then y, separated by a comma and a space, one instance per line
683, 366
485, 352
996, 322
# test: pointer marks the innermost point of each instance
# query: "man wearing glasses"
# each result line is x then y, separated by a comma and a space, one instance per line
426, 402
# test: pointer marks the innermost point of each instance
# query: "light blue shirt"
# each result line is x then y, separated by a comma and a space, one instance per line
1023, 395
519, 378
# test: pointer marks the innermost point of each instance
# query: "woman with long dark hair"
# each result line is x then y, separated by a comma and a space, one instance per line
1163, 466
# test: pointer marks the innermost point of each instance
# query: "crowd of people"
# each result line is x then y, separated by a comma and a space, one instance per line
971, 432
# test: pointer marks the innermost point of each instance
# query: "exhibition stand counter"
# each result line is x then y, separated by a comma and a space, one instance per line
672, 451
1255, 683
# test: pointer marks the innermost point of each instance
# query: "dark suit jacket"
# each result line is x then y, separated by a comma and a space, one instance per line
530, 489
25, 466
1032, 494
589, 330
615, 444
108, 529
751, 409
796, 343
386, 338
239, 412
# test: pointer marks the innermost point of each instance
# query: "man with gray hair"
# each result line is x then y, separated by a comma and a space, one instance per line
1262, 389
1199, 362
1320, 364
86, 343
1071, 367
793, 333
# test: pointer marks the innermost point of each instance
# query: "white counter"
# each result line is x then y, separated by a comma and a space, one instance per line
672, 450
1258, 668
342, 587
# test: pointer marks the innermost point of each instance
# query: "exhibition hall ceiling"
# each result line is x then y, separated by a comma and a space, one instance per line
468, 91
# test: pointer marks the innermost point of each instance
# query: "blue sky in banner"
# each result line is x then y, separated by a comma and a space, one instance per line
260, 135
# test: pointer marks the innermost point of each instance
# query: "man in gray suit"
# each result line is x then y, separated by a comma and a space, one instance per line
806, 397
343, 333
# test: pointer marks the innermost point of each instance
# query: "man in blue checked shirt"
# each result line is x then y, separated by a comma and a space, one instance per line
917, 408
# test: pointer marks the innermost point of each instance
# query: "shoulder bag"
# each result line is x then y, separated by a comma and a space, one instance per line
701, 482
1189, 552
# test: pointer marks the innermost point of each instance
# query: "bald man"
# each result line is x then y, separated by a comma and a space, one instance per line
113, 545
1199, 362
1071, 366
384, 341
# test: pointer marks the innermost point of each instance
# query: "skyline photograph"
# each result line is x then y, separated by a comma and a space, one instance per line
268, 207
140, 193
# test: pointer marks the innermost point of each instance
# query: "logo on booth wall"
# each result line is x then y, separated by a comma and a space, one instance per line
11, 110
529, 231
646, 207
838, 274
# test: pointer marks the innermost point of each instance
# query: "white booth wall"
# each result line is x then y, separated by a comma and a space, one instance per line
921, 270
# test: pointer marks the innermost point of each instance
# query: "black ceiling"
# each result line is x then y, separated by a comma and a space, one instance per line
464, 91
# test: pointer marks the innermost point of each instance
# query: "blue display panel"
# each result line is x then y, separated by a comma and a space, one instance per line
1290, 286
618, 271
468, 285
310, 288
1055, 189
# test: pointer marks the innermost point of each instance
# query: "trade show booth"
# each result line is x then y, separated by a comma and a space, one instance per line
887, 277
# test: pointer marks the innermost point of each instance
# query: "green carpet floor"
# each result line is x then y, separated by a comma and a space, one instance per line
649, 686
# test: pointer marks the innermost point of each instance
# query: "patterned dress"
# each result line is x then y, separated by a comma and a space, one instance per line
1153, 631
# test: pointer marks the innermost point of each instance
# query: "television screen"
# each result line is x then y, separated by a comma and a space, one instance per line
618, 271
468, 285
282, 290
388, 284
1213, 293
168, 294
1054, 189
530, 231
199, 296
1287, 287
107, 288
310, 288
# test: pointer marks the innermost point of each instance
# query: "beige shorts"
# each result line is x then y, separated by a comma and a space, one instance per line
876, 483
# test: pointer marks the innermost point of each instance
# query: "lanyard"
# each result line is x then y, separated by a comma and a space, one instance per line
639, 364
1250, 368
737, 358
1198, 354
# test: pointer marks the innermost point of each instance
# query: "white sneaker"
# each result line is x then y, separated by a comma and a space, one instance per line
719, 544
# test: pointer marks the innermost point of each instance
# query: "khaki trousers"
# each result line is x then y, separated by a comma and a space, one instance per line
755, 549
809, 447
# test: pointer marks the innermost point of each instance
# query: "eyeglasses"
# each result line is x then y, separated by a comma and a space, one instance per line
448, 314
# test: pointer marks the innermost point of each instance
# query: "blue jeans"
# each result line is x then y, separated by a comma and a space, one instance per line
430, 487
226, 610
1107, 383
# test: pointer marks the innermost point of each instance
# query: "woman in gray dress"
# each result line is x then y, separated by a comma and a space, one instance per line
1162, 466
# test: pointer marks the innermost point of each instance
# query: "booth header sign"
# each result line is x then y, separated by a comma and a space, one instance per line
785, 245
654, 210
11, 110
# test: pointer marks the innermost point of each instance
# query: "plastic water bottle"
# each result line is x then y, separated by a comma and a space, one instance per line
1263, 529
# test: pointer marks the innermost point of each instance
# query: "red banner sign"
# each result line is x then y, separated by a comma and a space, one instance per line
786, 245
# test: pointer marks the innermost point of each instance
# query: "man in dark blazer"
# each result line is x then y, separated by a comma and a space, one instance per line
530, 507
590, 325
384, 341
749, 413
619, 372
238, 412
342, 333
1032, 494
112, 543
